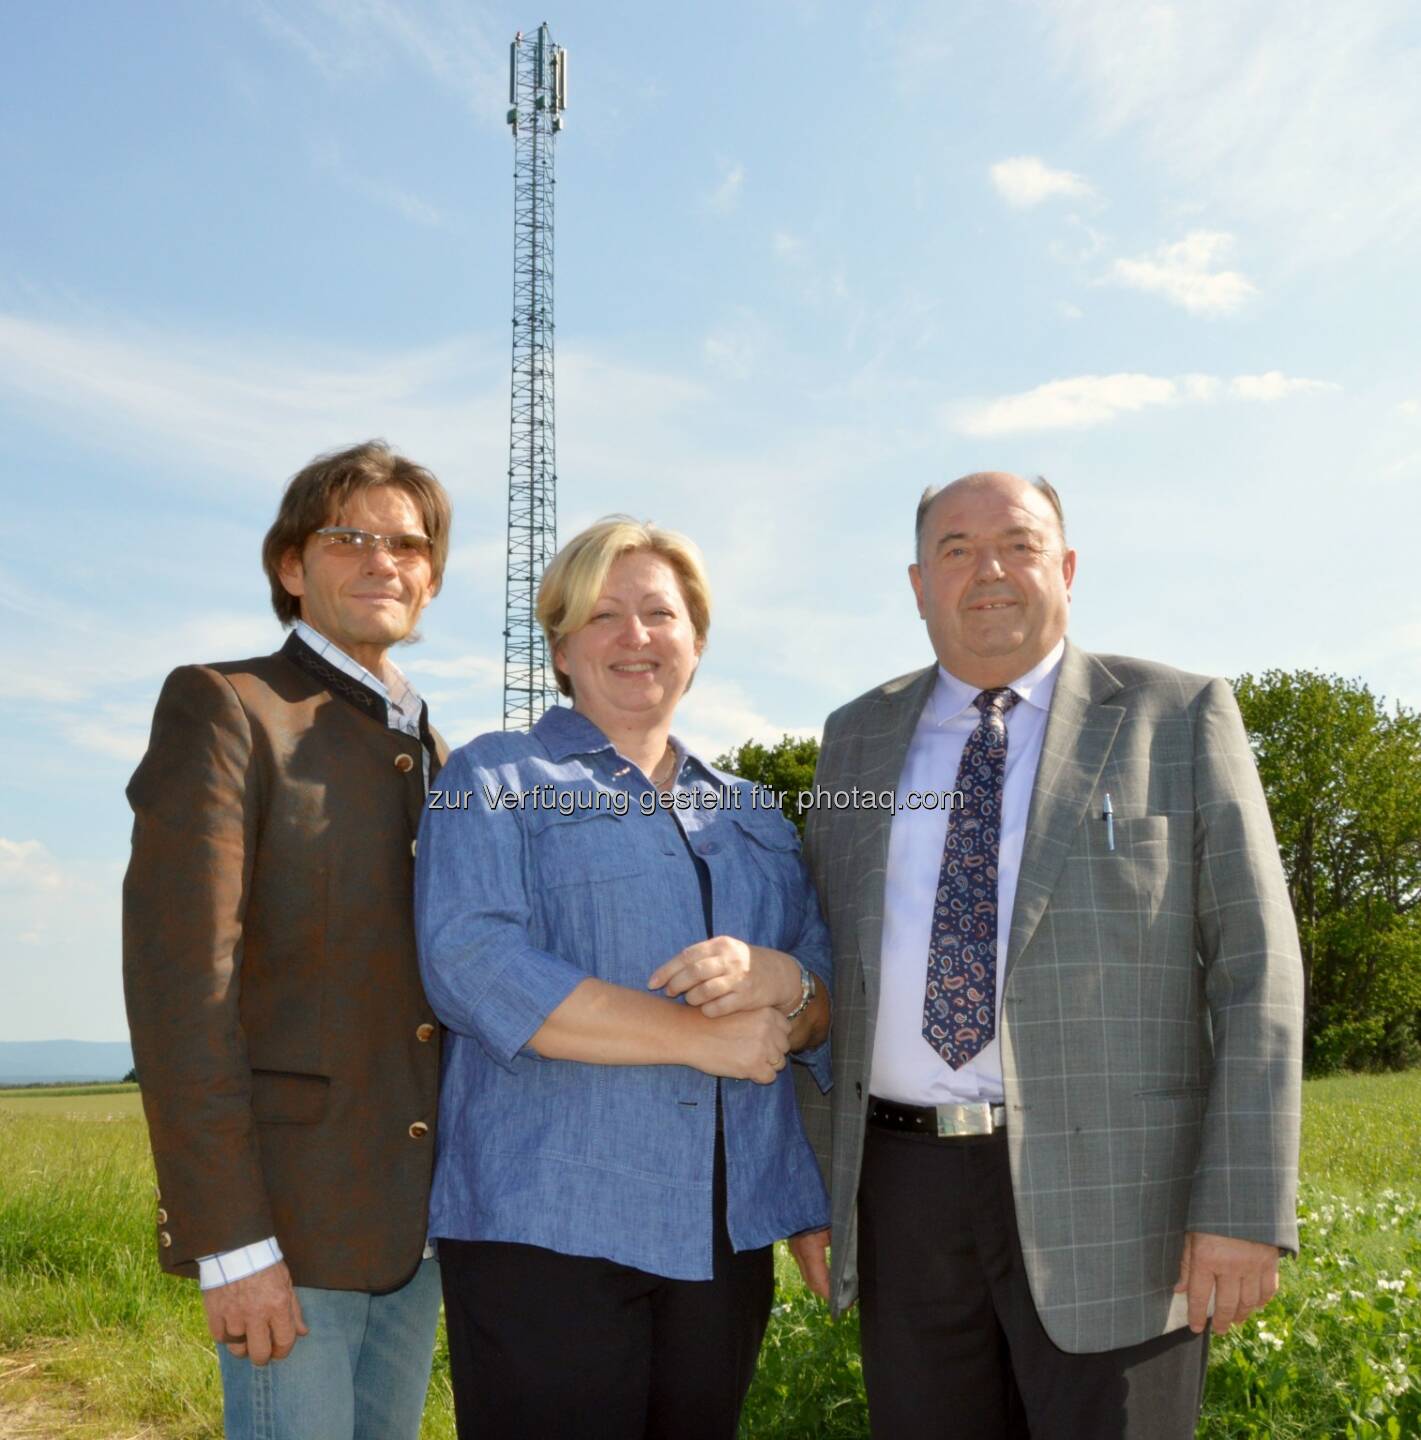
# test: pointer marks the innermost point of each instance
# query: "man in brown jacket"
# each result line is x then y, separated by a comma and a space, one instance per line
288, 1058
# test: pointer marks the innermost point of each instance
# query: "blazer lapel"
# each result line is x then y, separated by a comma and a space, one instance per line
1080, 730
885, 749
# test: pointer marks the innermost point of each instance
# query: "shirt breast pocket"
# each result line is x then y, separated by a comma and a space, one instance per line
591, 895
584, 848
774, 876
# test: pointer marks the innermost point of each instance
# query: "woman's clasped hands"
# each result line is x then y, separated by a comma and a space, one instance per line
747, 990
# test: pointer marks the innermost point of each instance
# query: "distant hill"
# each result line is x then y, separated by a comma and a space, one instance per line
37, 1062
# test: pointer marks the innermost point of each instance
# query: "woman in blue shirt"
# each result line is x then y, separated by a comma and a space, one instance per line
625, 947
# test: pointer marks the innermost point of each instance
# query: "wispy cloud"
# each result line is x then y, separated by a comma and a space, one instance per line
820, 282
254, 411
26, 866
1184, 273
1274, 385
1262, 110
1073, 404
293, 33
1026, 180
718, 715
327, 155
116, 732
1085, 401
1080, 243
111, 668
62, 917
733, 347
446, 40
726, 195
479, 670
786, 245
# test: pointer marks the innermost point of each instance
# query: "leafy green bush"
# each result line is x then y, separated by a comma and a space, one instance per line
1343, 778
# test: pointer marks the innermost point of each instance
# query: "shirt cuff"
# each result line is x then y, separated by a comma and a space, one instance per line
230, 1265
816, 1061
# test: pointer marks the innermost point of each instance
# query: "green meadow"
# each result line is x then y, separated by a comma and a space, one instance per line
95, 1342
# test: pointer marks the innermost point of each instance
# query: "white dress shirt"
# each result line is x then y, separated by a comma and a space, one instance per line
905, 1067
403, 712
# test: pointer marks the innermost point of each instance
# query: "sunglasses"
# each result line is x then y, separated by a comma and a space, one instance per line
345, 542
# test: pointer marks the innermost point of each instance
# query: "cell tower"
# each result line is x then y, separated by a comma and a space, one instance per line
537, 96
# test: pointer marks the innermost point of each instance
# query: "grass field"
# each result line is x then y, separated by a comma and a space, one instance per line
95, 1343
98, 1102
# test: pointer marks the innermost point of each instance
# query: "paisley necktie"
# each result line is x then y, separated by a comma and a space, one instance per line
960, 1000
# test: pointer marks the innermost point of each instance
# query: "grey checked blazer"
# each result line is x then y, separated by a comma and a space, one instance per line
1152, 1011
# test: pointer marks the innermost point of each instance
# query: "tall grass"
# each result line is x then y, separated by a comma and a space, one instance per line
79, 1282
83, 1301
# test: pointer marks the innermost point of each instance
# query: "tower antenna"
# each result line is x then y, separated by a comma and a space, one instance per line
537, 96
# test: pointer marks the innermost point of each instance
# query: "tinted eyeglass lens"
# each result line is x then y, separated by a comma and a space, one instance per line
404, 549
345, 543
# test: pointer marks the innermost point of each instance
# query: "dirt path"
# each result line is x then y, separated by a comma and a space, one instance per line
34, 1406
30, 1409
31, 1419
37, 1405
35, 1419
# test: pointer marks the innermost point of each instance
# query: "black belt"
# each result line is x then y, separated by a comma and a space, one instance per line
944, 1122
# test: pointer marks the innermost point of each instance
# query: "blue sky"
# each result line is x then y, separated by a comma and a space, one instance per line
811, 257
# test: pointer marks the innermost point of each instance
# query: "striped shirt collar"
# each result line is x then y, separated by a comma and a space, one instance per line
402, 700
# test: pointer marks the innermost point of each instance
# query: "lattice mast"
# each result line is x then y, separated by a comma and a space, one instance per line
537, 96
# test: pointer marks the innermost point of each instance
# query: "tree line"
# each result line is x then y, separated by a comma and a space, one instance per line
1342, 774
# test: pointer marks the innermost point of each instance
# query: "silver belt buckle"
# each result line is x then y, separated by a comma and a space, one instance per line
976, 1118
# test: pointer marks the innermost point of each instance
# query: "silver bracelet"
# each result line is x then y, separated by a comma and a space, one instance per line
807, 991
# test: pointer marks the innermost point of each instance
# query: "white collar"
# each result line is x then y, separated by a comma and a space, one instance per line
399, 693
953, 697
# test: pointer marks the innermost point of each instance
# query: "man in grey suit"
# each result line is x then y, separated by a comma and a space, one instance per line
1067, 1010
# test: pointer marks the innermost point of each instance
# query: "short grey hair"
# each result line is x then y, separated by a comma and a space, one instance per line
1037, 482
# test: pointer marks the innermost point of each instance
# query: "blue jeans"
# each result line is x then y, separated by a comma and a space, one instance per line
360, 1374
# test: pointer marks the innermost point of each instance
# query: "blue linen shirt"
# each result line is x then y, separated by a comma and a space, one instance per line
537, 866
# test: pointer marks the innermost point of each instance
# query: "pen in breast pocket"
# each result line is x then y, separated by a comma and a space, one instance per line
1107, 813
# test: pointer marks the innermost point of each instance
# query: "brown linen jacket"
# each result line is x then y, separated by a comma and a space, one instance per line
288, 1058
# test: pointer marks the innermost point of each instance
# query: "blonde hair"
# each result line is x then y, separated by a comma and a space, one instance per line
574, 579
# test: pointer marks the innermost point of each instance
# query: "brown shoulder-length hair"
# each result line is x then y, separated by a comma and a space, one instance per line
316, 495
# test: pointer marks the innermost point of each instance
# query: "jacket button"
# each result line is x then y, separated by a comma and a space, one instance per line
414, 847
157, 1193
418, 1130
164, 1239
424, 1034
404, 762
162, 1216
